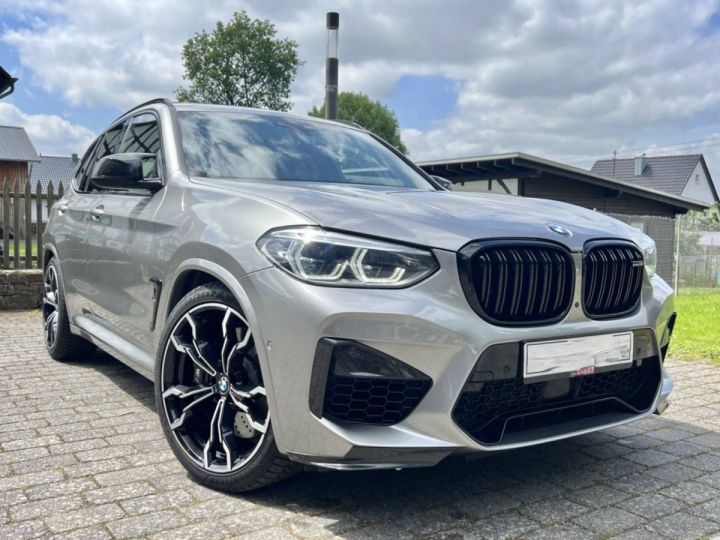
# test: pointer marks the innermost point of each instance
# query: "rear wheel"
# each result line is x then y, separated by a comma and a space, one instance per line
61, 343
211, 396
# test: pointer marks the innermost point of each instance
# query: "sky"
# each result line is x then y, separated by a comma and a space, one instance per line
563, 79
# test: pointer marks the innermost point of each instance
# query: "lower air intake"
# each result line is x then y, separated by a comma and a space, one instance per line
363, 385
373, 401
497, 410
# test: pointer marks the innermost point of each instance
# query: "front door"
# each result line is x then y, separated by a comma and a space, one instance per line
122, 251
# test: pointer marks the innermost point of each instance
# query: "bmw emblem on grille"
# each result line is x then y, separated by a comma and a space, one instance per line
559, 229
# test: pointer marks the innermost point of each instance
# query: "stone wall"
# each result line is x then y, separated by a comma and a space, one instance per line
20, 289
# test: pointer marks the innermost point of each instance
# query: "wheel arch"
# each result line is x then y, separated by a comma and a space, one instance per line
185, 282
194, 272
49, 252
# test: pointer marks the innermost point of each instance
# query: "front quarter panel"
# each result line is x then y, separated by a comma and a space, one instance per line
214, 229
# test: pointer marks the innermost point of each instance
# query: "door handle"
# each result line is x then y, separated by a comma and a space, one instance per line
97, 212
62, 209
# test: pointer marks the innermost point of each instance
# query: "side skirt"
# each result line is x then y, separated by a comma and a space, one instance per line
128, 353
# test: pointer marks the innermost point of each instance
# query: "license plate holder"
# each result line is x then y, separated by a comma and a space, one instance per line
577, 356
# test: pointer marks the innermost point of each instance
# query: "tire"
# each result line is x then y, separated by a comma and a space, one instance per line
211, 398
60, 342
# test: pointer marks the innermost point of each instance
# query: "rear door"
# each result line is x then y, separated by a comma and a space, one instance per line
69, 233
120, 237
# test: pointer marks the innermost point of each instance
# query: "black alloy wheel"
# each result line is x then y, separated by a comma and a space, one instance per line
211, 395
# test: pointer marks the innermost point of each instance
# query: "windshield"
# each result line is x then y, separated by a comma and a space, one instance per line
256, 146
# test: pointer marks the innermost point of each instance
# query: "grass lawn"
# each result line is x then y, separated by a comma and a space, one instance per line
21, 249
697, 331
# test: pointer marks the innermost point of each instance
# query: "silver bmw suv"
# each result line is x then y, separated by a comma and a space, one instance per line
301, 293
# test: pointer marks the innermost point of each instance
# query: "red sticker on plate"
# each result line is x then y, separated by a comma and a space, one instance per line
589, 370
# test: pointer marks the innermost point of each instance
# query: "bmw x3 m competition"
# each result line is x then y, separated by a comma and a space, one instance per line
302, 294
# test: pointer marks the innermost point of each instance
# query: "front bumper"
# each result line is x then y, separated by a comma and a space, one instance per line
430, 327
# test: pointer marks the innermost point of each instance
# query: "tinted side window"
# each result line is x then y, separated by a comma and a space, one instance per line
110, 142
143, 135
82, 168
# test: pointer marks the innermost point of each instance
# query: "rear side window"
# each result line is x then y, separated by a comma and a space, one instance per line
82, 168
143, 135
109, 143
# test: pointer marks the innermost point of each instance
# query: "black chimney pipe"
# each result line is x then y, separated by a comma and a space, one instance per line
331, 65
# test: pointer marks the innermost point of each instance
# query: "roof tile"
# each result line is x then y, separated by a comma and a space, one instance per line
15, 145
665, 173
55, 169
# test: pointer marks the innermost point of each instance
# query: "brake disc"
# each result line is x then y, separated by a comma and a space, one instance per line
242, 426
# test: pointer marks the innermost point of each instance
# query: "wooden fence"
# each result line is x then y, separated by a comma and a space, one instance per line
21, 222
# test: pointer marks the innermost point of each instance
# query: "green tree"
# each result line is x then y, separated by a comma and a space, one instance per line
708, 220
372, 115
715, 212
240, 63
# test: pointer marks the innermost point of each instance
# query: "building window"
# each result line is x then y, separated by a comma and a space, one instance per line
507, 186
697, 179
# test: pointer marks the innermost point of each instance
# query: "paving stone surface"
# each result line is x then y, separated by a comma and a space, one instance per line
82, 456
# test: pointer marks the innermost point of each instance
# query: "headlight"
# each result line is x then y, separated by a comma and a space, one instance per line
329, 258
649, 250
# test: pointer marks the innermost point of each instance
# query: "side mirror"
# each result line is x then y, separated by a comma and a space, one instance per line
444, 182
125, 171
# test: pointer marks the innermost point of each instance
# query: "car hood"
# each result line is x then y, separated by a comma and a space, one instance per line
439, 219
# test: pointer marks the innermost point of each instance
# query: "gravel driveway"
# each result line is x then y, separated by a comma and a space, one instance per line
82, 456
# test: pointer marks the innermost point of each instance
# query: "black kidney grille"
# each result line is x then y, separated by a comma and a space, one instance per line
518, 283
612, 276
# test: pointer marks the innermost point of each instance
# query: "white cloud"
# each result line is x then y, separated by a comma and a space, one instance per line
106, 53
559, 78
50, 134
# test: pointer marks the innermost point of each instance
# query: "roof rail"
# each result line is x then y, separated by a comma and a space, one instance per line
165, 101
348, 123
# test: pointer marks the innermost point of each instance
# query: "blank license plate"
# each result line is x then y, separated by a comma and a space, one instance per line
577, 356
